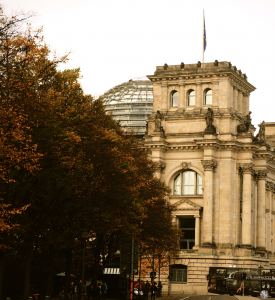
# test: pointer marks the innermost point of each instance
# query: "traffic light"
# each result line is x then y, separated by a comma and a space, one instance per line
153, 275
128, 255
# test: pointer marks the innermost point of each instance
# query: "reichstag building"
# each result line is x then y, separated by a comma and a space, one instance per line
195, 122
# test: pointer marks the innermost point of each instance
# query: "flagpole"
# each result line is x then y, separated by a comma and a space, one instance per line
203, 36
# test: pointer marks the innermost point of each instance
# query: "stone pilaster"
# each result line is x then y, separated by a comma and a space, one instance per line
245, 104
164, 96
199, 96
182, 98
262, 174
240, 102
209, 166
235, 98
247, 169
197, 232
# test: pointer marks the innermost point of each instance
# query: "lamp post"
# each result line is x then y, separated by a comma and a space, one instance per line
84, 236
140, 254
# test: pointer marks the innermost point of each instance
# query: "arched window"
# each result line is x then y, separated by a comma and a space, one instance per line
191, 98
188, 183
174, 98
208, 97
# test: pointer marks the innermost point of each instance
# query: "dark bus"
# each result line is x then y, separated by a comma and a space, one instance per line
241, 281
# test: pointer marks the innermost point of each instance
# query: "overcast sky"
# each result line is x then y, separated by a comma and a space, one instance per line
113, 41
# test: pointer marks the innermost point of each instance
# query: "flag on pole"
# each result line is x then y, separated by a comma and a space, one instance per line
204, 34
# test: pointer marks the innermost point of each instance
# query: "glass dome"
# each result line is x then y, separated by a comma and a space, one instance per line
130, 103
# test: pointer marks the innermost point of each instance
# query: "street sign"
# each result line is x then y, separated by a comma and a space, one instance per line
128, 256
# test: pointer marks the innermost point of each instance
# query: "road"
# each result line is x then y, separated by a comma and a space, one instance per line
211, 297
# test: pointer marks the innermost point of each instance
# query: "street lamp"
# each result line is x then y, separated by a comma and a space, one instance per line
84, 235
140, 254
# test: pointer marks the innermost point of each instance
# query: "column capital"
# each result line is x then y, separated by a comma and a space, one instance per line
269, 186
209, 165
246, 168
197, 216
262, 174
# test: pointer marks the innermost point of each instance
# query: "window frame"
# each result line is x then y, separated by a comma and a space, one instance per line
205, 92
172, 98
179, 186
193, 97
175, 269
184, 229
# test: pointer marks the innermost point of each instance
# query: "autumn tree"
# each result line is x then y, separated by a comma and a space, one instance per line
66, 165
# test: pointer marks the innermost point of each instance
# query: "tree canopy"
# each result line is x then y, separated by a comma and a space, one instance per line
66, 165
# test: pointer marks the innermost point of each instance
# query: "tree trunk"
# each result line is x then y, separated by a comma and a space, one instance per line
68, 270
49, 274
2, 265
28, 262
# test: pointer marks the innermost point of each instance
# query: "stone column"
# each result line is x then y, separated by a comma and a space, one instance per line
268, 216
247, 170
261, 210
240, 102
164, 96
209, 166
182, 101
255, 210
235, 98
197, 231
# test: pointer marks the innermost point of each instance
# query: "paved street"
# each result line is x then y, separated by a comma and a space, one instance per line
207, 297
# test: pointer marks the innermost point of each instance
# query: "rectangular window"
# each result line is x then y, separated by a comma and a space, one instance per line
179, 275
187, 225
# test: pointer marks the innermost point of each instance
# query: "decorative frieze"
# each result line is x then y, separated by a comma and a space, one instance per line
209, 165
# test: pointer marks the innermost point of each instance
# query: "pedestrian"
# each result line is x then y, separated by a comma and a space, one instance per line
90, 291
71, 291
104, 289
97, 292
159, 289
153, 291
146, 290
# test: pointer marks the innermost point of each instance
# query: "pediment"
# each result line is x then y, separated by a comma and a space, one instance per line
187, 204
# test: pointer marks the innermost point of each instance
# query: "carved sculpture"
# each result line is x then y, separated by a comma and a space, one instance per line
185, 165
199, 64
182, 65
158, 118
165, 66
261, 134
209, 117
244, 128
161, 166
216, 63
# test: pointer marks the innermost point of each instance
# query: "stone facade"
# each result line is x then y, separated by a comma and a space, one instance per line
214, 138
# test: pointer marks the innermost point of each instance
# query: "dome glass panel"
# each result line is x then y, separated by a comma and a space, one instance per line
130, 103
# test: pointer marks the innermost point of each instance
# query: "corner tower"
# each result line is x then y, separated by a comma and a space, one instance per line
201, 135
